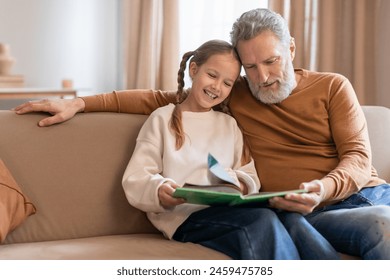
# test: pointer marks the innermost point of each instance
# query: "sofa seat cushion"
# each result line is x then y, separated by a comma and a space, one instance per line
116, 247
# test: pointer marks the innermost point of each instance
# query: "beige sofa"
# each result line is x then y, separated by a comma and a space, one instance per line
72, 173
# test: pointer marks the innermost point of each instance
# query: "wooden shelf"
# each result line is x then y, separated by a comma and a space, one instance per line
30, 93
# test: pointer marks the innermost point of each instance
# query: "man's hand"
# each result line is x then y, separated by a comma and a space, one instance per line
303, 203
165, 195
60, 109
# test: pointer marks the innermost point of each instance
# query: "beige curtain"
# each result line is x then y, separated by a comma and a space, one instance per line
301, 16
337, 36
382, 57
151, 43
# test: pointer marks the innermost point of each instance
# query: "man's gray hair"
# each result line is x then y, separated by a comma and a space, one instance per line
252, 23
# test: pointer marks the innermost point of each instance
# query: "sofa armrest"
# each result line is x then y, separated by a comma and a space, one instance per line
378, 122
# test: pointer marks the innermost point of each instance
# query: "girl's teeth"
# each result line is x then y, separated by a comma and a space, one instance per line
211, 95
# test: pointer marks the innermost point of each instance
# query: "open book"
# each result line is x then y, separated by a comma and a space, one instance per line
215, 198
226, 193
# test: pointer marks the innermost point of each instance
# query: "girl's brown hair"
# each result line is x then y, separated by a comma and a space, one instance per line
199, 56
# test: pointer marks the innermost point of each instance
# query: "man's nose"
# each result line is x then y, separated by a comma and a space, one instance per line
262, 73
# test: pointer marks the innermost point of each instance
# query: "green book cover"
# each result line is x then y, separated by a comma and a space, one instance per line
213, 197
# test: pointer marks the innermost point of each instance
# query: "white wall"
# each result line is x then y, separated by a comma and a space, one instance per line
63, 39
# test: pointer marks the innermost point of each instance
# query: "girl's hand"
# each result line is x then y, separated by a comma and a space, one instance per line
165, 195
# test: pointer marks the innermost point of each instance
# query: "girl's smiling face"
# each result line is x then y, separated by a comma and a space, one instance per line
211, 82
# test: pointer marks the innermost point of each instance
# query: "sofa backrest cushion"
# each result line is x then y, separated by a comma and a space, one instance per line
72, 173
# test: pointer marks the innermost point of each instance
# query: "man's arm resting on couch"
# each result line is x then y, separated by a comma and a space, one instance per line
134, 101
126, 101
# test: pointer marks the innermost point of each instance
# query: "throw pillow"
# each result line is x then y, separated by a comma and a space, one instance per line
15, 207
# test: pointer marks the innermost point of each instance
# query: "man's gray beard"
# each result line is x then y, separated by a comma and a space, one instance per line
269, 96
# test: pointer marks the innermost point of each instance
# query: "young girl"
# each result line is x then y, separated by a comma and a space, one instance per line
172, 149
173, 144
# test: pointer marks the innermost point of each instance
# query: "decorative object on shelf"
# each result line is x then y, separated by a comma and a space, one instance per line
6, 60
7, 80
67, 84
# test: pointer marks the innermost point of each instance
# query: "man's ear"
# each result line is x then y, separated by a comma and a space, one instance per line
193, 69
292, 48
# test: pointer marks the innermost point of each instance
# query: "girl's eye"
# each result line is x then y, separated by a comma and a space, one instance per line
228, 84
212, 75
